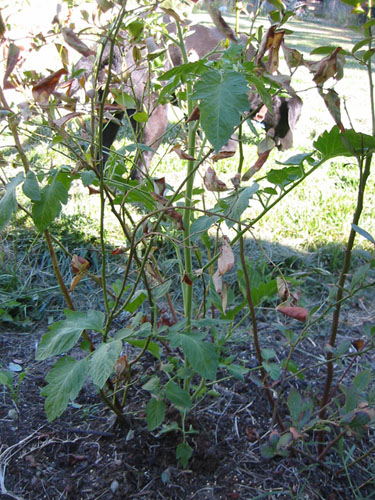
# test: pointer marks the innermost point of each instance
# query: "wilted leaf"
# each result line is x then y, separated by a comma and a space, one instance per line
172, 13
329, 67
226, 259
236, 180
63, 53
12, 59
273, 56
74, 41
2, 26
212, 182
79, 264
181, 154
282, 288
295, 312
222, 155
64, 119
186, 279
44, 88
332, 102
262, 158
293, 58
195, 115
218, 282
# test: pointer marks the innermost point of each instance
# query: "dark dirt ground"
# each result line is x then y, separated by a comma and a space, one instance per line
82, 455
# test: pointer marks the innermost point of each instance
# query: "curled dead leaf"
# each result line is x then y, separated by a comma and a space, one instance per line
262, 158
186, 279
295, 312
226, 259
76, 43
44, 88
122, 367
181, 154
75, 280
195, 115
222, 155
64, 119
212, 182
118, 251
218, 282
236, 181
329, 67
93, 190
159, 185
12, 59
79, 264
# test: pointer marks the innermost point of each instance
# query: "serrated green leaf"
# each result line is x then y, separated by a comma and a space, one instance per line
65, 380
352, 399
237, 371
49, 206
362, 380
284, 176
8, 203
201, 355
183, 454
64, 334
223, 96
268, 353
152, 385
103, 360
294, 404
30, 187
152, 347
155, 413
183, 70
272, 369
178, 396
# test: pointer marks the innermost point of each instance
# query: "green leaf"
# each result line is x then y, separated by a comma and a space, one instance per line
8, 203
31, 187
88, 177
334, 143
361, 43
283, 177
6, 378
278, 4
140, 117
267, 451
123, 99
103, 361
363, 233
294, 404
223, 96
183, 70
268, 353
272, 369
49, 206
136, 301
124, 333
155, 413
177, 396
362, 380
152, 347
237, 371
352, 399
183, 454
201, 355
238, 202
159, 291
65, 380
152, 385
64, 334
201, 225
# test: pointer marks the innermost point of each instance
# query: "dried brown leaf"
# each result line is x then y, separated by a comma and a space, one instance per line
195, 115
212, 182
12, 59
76, 43
44, 88
295, 312
181, 154
226, 260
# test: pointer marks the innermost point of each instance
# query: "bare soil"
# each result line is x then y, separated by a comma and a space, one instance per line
83, 455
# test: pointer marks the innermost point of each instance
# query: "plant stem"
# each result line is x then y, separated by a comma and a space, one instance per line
256, 336
340, 291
